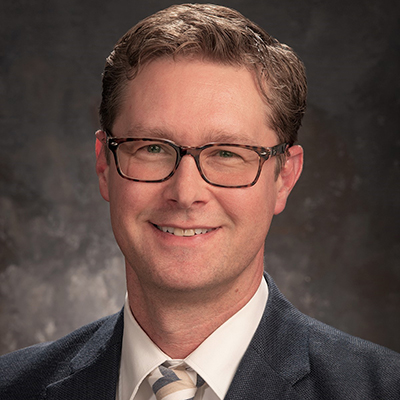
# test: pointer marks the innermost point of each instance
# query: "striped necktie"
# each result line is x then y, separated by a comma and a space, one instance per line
174, 384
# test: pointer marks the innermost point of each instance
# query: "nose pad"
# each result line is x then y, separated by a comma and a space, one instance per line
186, 187
188, 167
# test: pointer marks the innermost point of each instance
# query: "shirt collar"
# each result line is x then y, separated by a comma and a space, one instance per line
215, 360
139, 356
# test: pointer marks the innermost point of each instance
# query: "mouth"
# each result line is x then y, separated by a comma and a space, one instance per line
184, 232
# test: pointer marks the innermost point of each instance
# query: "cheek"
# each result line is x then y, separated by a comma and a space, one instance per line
131, 201
123, 203
250, 208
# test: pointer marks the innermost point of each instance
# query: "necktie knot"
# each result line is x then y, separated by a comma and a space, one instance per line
174, 384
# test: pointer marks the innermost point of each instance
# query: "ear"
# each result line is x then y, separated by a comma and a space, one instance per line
102, 166
289, 175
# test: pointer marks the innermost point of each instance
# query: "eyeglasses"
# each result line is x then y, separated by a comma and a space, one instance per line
219, 164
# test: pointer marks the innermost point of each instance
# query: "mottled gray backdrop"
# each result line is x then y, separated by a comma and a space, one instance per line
334, 251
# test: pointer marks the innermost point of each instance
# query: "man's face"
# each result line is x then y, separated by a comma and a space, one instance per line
192, 103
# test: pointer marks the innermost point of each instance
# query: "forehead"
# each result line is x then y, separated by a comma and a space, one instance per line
194, 100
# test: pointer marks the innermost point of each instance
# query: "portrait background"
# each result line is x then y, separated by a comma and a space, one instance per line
334, 252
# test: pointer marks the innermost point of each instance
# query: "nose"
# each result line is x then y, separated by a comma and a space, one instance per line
186, 188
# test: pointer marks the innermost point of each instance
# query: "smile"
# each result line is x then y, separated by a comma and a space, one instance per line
183, 232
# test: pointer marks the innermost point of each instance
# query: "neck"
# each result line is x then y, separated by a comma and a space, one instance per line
178, 322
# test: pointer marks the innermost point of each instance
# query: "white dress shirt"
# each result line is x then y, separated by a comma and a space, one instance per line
215, 360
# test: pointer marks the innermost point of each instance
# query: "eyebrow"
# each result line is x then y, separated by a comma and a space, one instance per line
214, 136
140, 131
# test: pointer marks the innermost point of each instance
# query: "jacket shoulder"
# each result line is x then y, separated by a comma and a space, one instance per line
318, 361
345, 365
25, 373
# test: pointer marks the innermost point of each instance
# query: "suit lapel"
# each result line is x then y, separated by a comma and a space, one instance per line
256, 380
278, 355
95, 369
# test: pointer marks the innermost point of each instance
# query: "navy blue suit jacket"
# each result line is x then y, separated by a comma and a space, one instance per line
291, 356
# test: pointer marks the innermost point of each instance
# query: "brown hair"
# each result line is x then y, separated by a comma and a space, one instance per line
218, 34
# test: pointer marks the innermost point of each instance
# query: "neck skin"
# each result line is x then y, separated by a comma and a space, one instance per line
178, 322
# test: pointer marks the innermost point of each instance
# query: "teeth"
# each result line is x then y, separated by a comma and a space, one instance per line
178, 232
183, 232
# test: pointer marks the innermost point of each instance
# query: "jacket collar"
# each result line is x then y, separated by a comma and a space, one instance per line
278, 355
95, 368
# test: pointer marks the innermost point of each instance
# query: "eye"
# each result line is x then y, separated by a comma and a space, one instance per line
229, 156
226, 154
154, 148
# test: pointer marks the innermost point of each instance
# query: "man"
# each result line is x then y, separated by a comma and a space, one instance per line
200, 113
